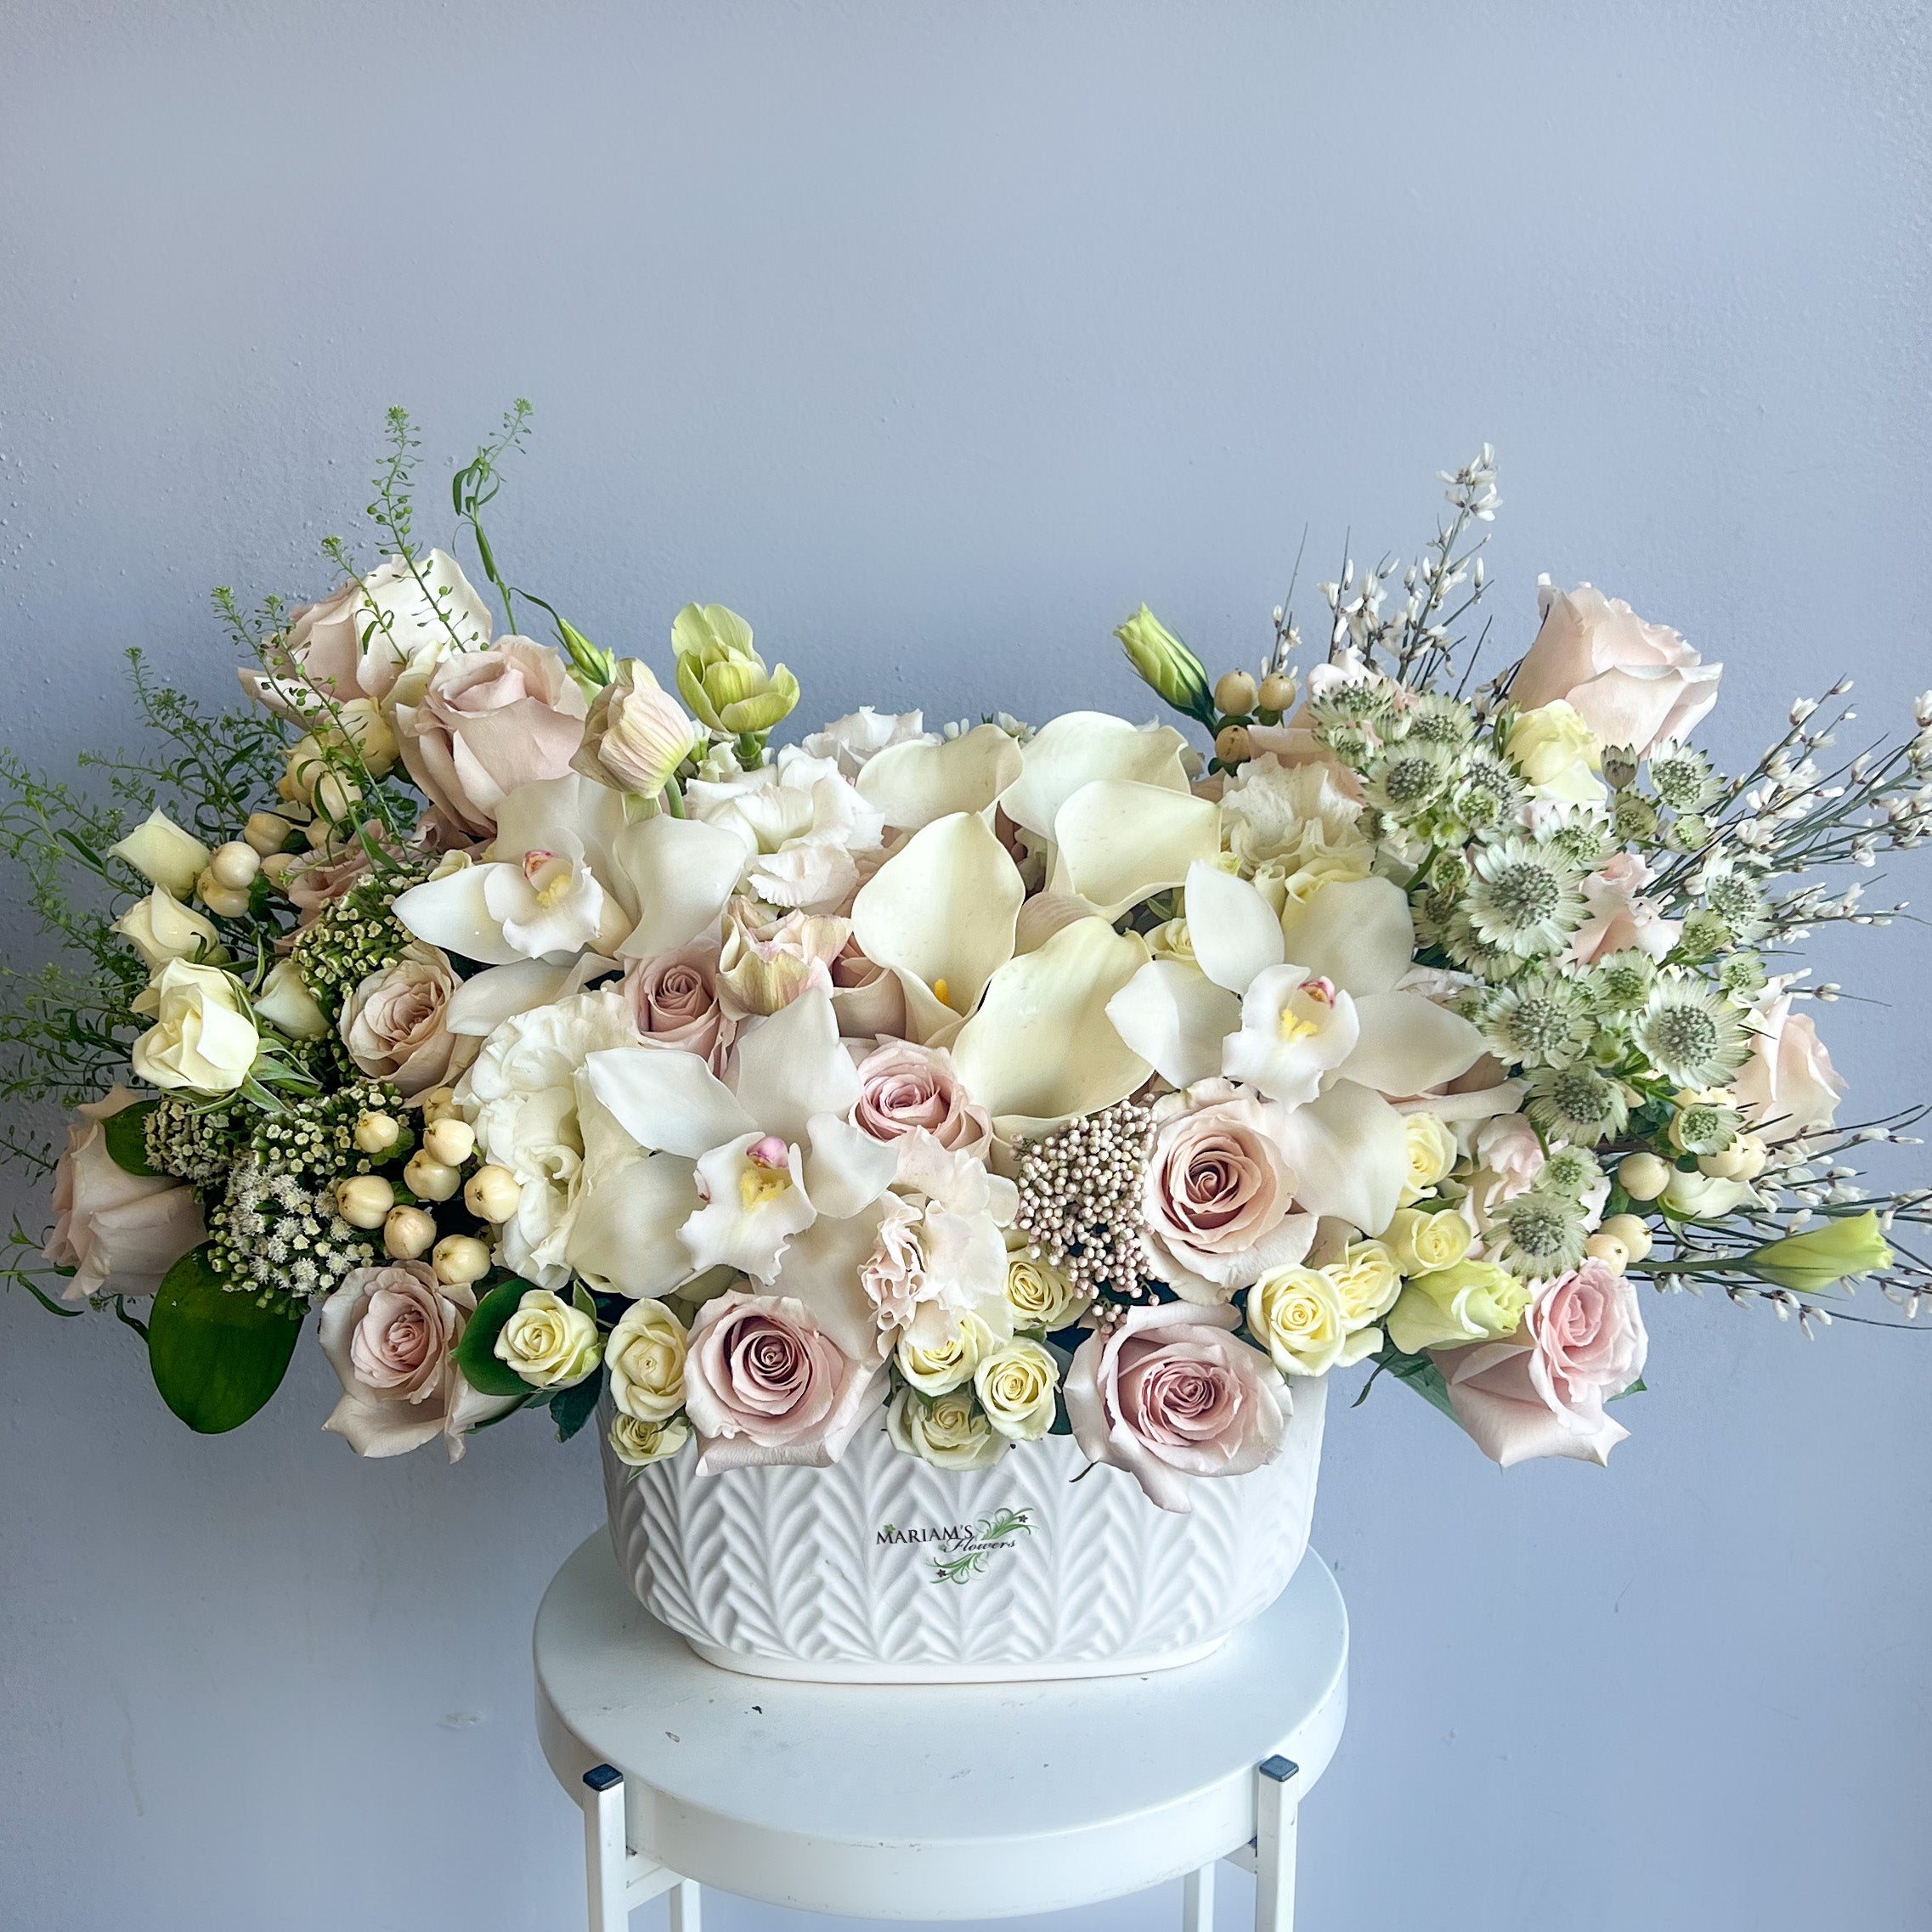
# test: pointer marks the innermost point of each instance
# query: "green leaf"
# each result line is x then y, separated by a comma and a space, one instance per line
216, 1356
1635, 1388
1421, 1374
570, 1408
475, 1354
127, 1138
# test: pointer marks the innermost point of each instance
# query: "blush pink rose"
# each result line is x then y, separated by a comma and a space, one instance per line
905, 1090
763, 1383
1168, 1394
1632, 683
396, 1023
1218, 1193
488, 722
118, 1231
1789, 1085
1545, 1396
866, 996
673, 998
1620, 918
388, 1332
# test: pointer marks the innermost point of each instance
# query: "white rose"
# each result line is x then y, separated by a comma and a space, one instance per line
1016, 1386
163, 854
159, 928
520, 1097
1432, 1152
288, 1005
203, 1037
1041, 1297
950, 1432
1558, 753
645, 1356
549, 1342
1788, 1086
941, 1348
1422, 1242
1296, 1313
118, 1231
639, 1443
1703, 1197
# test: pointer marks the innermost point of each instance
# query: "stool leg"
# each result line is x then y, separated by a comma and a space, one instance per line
604, 1849
1197, 1900
1276, 1812
684, 1906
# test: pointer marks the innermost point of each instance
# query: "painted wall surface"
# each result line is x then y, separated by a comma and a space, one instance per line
934, 338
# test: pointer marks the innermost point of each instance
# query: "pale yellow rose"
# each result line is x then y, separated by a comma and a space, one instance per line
159, 928
548, 1341
1367, 1282
163, 854
203, 1037
1016, 1385
1421, 1241
645, 1357
637, 1442
1432, 1151
1558, 753
1296, 1314
950, 1432
1041, 1297
940, 1349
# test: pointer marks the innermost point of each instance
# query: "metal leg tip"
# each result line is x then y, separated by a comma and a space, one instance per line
1279, 1769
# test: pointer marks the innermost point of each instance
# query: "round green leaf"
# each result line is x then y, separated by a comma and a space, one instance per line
216, 1356
475, 1353
127, 1139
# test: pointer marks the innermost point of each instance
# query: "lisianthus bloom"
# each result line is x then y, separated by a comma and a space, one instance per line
1818, 1257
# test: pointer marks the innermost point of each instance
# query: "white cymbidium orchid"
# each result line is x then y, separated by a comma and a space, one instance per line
570, 868
940, 914
771, 1156
1308, 1009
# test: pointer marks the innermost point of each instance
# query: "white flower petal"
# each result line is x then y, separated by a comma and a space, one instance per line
1232, 929
821, 1267
910, 785
667, 1100
453, 913
791, 1067
624, 1235
1078, 747
1118, 843
1042, 1044
481, 1004
1292, 1035
679, 873
941, 910
1350, 1153
1175, 1018
1409, 1044
845, 1169
743, 1226
1357, 932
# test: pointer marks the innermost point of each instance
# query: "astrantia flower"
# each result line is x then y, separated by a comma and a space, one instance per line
1734, 896
1571, 1171
1682, 776
1582, 838
1621, 983
1541, 1022
1742, 975
1525, 898
1436, 718
1486, 791
1469, 949
1705, 1123
1690, 1033
1578, 1104
1543, 1233
1409, 777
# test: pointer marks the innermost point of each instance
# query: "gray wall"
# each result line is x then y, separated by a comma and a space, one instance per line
934, 338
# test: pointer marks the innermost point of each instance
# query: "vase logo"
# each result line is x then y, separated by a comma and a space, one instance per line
963, 1549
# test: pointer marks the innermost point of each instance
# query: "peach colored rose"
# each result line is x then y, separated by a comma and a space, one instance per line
388, 1332
1218, 1193
395, 1024
673, 998
488, 722
1545, 1396
118, 1231
905, 1090
315, 883
1621, 920
1632, 683
1788, 1086
1168, 1394
764, 1384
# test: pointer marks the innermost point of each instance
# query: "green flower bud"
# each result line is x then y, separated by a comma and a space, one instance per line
1806, 1263
1160, 660
722, 678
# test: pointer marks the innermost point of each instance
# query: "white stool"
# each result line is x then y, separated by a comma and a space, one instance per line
932, 1802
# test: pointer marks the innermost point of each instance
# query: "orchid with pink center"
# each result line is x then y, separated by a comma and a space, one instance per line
772, 1154
1307, 1008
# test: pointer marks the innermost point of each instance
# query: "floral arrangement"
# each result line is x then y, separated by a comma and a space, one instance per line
554, 1038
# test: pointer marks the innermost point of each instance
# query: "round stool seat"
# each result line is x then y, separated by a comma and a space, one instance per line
947, 1801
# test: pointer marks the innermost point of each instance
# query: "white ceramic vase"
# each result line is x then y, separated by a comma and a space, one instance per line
882, 1569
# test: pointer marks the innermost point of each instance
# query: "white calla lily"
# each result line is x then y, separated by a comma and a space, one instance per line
1041, 1047
772, 1154
1078, 747
939, 913
1118, 842
912, 784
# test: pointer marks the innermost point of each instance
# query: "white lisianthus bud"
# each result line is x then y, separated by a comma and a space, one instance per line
407, 1233
288, 1006
549, 1343
1632, 1231
450, 1140
1644, 1177
159, 928
459, 1259
163, 854
266, 832
432, 1179
493, 1194
365, 1201
235, 865
377, 1133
